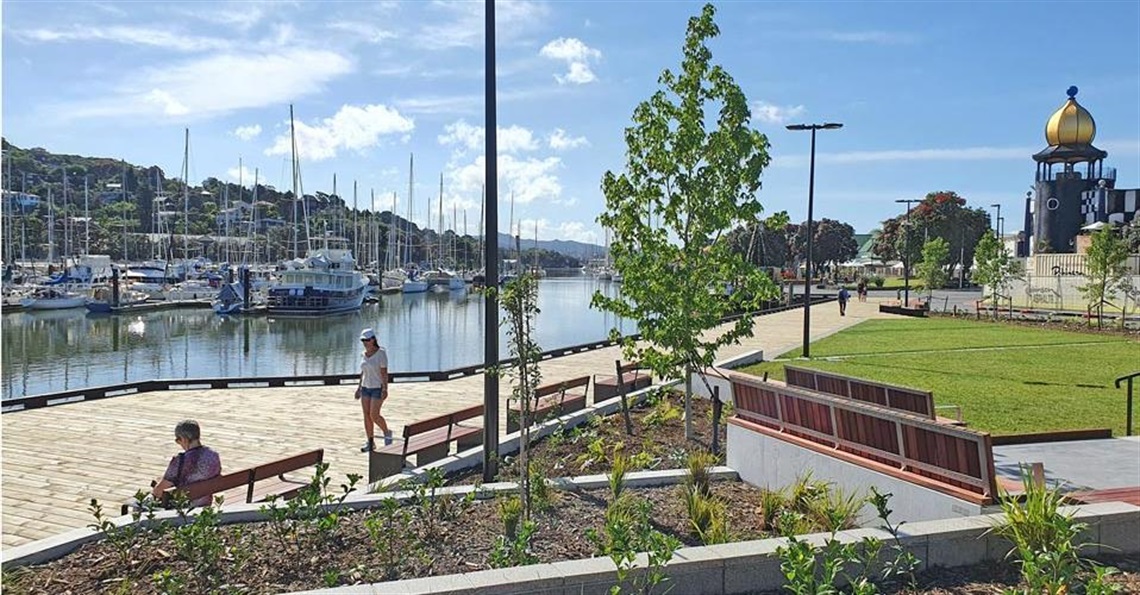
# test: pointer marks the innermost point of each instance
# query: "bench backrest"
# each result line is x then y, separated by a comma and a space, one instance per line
901, 398
952, 456
630, 367
427, 425
293, 463
208, 487
565, 386
468, 413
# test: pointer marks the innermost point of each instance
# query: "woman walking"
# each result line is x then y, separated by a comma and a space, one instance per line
373, 388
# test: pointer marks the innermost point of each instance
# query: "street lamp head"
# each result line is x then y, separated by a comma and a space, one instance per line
832, 126
824, 126
995, 205
798, 127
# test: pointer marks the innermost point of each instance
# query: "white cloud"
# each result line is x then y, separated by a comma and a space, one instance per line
560, 141
217, 84
775, 114
1118, 147
577, 56
247, 133
460, 24
467, 137
529, 179
441, 104
245, 175
127, 35
363, 31
353, 128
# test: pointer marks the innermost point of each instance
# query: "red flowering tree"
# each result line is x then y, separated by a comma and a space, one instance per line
942, 214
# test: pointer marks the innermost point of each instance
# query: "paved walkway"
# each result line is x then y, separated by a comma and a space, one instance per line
56, 459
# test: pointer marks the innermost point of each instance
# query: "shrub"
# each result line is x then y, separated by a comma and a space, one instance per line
698, 476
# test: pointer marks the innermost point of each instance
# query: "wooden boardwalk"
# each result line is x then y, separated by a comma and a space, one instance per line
56, 459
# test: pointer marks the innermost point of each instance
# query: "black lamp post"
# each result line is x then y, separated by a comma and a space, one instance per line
997, 219
906, 250
810, 232
490, 256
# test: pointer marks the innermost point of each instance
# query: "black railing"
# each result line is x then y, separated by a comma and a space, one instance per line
1128, 420
146, 386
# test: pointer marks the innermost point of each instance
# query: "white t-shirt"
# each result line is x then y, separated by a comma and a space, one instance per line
370, 369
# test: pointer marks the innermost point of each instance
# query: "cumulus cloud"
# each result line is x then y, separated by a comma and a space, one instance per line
467, 137
247, 132
576, 55
560, 141
776, 114
352, 128
529, 178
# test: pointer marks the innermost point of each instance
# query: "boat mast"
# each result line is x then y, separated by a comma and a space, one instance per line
411, 178
253, 217
482, 216
185, 200
51, 228
441, 249
392, 258
293, 140
66, 219
86, 218
124, 188
355, 222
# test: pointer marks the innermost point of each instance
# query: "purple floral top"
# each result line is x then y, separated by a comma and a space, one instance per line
197, 464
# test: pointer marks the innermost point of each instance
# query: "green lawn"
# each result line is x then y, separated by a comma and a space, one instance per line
1039, 380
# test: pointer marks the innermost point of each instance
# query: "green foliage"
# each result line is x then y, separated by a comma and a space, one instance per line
698, 473
126, 538
618, 468
514, 549
627, 531
202, 545
692, 170
931, 270
772, 502
1106, 270
168, 582
520, 301
1043, 537
390, 528
314, 514
542, 498
995, 268
595, 454
510, 511
708, 515
664, 411
941, 214
835, 509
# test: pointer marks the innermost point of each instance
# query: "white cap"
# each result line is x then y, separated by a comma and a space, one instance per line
367, 334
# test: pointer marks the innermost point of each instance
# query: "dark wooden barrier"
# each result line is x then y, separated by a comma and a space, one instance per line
900, 398
948, 455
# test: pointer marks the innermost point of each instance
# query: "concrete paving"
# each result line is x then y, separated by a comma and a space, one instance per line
1077, 464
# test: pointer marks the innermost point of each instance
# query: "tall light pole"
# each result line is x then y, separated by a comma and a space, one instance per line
906, 250
997, 219
490, 255
810, 232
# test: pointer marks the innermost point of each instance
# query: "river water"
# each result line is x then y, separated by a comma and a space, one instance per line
46, 352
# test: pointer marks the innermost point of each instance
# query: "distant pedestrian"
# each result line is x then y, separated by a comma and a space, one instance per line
373, 389
844, 295
861, 290
195, 463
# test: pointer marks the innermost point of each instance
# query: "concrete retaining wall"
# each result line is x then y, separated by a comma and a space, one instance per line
751, 566
765, 461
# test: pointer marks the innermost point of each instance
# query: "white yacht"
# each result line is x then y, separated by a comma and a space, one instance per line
325, 282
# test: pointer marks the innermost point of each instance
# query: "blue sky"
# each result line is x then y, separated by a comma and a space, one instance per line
934, 96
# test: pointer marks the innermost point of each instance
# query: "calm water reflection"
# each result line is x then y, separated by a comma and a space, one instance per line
53, 351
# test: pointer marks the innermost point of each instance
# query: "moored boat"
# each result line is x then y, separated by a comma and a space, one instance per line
52, 298
325, 282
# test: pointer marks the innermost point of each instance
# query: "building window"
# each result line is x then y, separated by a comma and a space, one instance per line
1052, 204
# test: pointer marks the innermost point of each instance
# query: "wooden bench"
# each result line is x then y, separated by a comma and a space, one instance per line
429, 439
255, 484
551, 400
629, 377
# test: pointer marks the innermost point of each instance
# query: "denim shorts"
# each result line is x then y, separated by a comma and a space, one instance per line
372, 393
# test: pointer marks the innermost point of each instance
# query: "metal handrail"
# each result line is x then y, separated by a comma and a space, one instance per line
1128, 419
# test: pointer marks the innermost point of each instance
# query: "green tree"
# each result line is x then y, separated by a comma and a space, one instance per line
994, 268
1105, 270
931, 270
519, 300
942, 214
697, 179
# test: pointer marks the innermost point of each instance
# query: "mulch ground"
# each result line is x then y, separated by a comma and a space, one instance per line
459, 537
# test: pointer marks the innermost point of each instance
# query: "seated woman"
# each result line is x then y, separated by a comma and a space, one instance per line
195, 463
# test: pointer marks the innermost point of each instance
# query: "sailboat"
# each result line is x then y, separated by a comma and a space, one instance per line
325, 281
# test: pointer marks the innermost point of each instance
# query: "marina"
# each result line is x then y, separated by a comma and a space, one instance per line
110, 448
46, 352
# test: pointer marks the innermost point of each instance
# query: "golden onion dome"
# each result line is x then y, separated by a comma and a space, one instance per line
1070, 125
